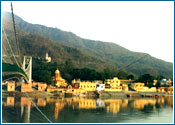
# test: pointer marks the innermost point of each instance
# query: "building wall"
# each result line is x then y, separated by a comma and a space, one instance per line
161, 89
60, 82
42, 86
138, 85
88, 86
11, 86
100, 87
25, 87
170, 90
115, 82
125, 86
113, 90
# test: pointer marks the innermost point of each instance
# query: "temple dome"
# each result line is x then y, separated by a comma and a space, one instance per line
57, 71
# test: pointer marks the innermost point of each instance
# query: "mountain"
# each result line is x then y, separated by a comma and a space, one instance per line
102, 53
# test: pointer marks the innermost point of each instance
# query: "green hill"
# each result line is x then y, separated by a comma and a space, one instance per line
63, 45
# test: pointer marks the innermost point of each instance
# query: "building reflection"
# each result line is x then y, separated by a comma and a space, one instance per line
25, 114
25, 109
115, 105
10, 101
41, 102
58, 107
87, 103
110, 105
141, 103
169, 101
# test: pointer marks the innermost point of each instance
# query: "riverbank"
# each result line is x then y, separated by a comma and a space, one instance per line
104, 94
101, 94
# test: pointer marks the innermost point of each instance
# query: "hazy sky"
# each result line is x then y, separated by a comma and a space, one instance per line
141, 26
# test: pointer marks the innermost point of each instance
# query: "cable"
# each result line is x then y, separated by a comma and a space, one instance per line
133, 62
10, 46
37, 107
15, 30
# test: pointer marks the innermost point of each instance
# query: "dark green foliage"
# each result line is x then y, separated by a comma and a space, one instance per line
160, 77
158, 84
130, 77
45, 76
146, 78
45, 72
122, 75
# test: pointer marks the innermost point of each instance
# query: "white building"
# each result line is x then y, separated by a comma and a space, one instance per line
48, 59
100, 87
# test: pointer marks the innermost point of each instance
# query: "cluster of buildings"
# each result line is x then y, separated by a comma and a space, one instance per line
79, 87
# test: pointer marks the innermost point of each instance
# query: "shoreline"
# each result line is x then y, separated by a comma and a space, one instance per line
101, 94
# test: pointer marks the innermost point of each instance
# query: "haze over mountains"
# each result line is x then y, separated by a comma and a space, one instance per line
36, 40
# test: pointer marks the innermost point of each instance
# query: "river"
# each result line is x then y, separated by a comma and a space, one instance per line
87, 110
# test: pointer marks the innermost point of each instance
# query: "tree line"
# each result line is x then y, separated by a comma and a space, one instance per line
45, 72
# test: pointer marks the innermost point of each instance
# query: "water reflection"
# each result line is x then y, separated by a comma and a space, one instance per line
10, 101
57, 106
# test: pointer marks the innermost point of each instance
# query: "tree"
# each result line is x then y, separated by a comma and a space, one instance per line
45, 76
160, 77
122, 75
158, 84
146, 78
107, 73
130, 76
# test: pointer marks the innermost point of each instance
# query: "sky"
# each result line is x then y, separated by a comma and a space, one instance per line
140, 26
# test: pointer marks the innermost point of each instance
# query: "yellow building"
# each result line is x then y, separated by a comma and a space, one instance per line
154, 82
113, 83
169, 82
88, 86
75, 83
60, 82
10, 86
161, 89
42, 86
126, 81
170, 90
140, 87
125, 86
76, 92
26, 87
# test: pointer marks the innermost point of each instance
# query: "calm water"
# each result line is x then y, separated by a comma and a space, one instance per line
83, 110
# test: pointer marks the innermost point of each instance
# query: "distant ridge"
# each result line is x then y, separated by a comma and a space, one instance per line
63, 45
